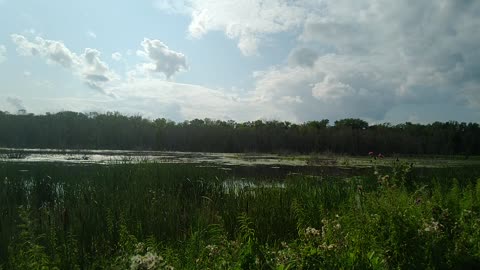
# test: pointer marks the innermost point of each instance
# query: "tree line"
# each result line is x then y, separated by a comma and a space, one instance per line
72, 130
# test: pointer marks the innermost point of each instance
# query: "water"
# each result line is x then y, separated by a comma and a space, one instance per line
223, 160
116, 156
246, 172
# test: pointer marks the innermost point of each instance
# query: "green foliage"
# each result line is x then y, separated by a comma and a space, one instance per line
163, 216
27, 250
251, 256
71, 130
352, 123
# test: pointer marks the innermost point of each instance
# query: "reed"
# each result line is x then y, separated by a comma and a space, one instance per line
178, 215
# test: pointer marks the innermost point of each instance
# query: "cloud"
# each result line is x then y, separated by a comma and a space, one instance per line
334, 87
137, 92
88, 66
303, 57
3, 53
375, 55
16, 103
53, 51
116, 56
150, 96
370, 55
331, 90
290, 100
153, 97
191, 101
245, 21
161, 58
94, 71
91, 34
172, 6
363, 58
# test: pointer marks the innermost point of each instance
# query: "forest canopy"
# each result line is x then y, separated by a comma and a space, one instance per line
72, 130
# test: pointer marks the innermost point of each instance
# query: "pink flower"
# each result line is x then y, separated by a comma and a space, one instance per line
380, 155
370, 153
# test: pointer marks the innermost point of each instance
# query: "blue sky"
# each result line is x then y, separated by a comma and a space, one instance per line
383, 61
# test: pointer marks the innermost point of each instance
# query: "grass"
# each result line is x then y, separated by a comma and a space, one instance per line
163, 216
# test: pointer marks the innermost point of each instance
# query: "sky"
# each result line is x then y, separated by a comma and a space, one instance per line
379, 60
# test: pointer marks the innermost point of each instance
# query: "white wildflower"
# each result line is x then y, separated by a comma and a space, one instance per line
331, 246
139, 247
213, 250
432, 226
148, 261
312, 232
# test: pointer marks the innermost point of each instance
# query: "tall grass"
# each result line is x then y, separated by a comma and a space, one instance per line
157, 216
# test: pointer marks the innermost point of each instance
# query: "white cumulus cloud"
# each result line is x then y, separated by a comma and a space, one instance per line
161, 58
245, 21
88, 65
330, 90
95, 72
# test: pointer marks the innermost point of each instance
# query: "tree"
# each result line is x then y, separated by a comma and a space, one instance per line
116, 131
352, 123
